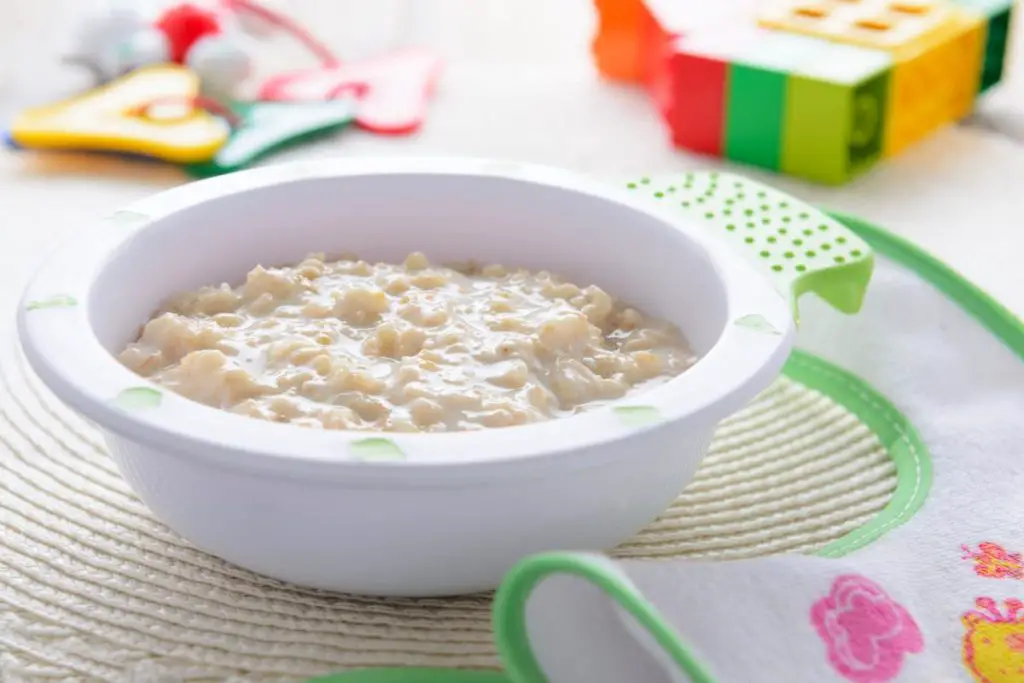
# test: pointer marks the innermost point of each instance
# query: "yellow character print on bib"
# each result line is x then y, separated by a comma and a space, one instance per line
993, 647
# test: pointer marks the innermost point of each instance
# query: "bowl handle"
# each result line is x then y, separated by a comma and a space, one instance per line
800, 248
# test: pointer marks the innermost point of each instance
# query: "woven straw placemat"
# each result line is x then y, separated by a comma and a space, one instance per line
93, 588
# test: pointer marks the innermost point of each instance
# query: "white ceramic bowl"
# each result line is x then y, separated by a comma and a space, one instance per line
299, 504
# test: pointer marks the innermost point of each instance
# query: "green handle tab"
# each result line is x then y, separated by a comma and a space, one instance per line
800, 248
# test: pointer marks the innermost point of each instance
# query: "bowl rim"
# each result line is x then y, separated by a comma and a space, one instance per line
61, 346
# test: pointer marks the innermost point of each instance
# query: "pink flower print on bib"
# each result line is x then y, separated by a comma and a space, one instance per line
867, 633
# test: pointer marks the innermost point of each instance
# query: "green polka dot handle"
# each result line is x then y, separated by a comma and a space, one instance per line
799, 247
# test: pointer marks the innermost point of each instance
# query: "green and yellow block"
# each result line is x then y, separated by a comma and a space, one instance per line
997, 15
824, 89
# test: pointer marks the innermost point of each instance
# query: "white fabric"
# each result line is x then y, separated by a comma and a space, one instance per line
749, 620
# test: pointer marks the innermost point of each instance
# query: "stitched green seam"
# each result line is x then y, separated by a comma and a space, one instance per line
899, 437
509, 614
992, 315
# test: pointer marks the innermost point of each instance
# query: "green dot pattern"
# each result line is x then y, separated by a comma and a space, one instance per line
794, 242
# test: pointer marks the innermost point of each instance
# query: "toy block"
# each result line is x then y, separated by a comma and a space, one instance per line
753, 124
998, 15
633, 38
936, 84
662, 22
758, 82
895, 26
996, 39
698, 126
819, 89
656, 41
616, 45
698, 70
835, 114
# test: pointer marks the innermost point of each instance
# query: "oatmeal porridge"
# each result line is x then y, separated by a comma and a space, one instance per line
347, 344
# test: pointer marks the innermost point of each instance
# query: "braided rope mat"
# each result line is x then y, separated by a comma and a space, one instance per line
93, 588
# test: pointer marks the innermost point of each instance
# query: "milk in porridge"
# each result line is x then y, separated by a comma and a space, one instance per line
347, 344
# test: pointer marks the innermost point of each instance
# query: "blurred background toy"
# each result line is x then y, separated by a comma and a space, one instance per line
117, 39
168, 86
393, 90
818, 89
152, 112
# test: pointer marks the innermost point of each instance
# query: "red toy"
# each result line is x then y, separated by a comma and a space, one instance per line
700, 126
243, 10
183, 26
393, 90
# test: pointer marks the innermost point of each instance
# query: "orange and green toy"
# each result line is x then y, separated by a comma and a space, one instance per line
819, 89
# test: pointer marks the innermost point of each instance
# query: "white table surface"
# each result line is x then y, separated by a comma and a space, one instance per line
519, 85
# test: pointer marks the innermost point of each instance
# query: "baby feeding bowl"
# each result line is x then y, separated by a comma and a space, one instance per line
391, 513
